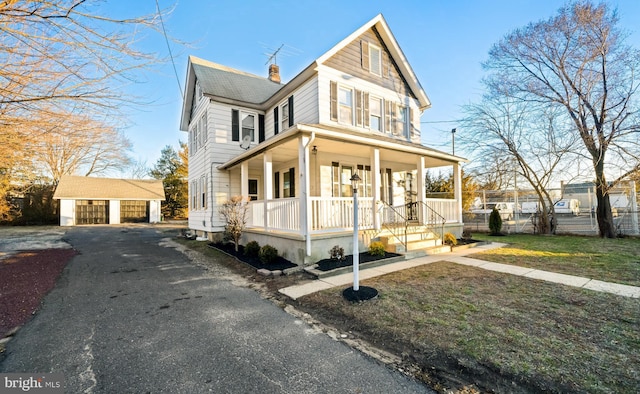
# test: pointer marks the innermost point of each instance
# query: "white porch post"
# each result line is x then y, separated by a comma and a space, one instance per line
267, 168
304, 188
457, 189
375, 187
244, 179
422, 196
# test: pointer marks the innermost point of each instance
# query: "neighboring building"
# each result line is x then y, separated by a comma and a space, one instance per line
292, 148
89, 200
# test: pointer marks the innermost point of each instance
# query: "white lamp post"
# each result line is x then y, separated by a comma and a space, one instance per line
357, 293
355, 179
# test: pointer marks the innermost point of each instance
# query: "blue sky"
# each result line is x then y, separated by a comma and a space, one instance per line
444, 41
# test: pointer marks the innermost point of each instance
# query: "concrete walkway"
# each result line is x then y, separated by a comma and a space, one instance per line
460, 257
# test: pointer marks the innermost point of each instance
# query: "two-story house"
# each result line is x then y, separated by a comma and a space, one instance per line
292, 148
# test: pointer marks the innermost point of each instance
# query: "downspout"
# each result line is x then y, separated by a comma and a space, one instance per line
307, 234
211, 194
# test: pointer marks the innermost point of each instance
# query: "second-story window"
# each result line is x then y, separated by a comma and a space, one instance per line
204, 130
402, 124
248, 122
345, 100
284, 111
375, 113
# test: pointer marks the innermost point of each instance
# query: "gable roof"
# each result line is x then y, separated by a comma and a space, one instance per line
91, 188
394, 51
232, 86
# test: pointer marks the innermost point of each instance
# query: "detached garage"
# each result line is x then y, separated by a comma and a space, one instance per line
88, 200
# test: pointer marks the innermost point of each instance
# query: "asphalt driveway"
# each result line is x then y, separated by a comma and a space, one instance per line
131, 313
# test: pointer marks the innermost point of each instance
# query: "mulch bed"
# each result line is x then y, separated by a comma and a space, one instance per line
25, 278
364, 293
365, 257
467, 241
229, 248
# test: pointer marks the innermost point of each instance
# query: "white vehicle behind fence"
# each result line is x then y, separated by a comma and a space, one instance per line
530, 207
506, 209
567, 206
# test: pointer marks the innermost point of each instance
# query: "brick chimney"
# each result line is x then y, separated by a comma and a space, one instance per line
274, 73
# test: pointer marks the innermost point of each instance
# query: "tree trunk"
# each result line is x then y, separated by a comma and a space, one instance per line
604, 215
603, 210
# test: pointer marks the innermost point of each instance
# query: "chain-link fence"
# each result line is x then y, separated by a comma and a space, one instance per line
574, 205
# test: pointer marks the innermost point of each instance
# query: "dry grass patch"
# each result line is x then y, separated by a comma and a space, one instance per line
501, 332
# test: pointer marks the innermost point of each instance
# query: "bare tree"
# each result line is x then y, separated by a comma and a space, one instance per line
234, 211
138, 169
63, 61
67, 50
578, 61
492, 169
79, 145
526, 139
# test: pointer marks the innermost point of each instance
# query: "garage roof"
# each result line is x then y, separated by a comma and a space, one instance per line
91, 188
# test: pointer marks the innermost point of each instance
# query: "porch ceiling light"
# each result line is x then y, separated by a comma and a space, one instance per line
314, 150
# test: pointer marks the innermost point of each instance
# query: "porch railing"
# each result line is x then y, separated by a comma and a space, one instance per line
283, 214
446, 207
336, 213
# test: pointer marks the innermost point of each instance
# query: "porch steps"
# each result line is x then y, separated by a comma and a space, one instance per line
419, 242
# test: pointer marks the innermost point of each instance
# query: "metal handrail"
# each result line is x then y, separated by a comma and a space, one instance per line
434, 215
392, 229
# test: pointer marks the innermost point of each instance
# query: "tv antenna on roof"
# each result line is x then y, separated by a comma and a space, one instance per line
274, 56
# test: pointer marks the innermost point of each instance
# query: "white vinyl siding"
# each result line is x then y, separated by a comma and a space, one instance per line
203, 174
305, 108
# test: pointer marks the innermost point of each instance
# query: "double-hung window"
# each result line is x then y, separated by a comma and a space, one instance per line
402, 121
345, 101
284, 115
289, 183
203, 192
248, 122
202, 125
375, 113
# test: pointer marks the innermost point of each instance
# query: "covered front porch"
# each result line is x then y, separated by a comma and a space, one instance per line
300, 189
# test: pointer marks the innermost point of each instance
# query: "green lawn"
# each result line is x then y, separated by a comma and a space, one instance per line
611, 260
